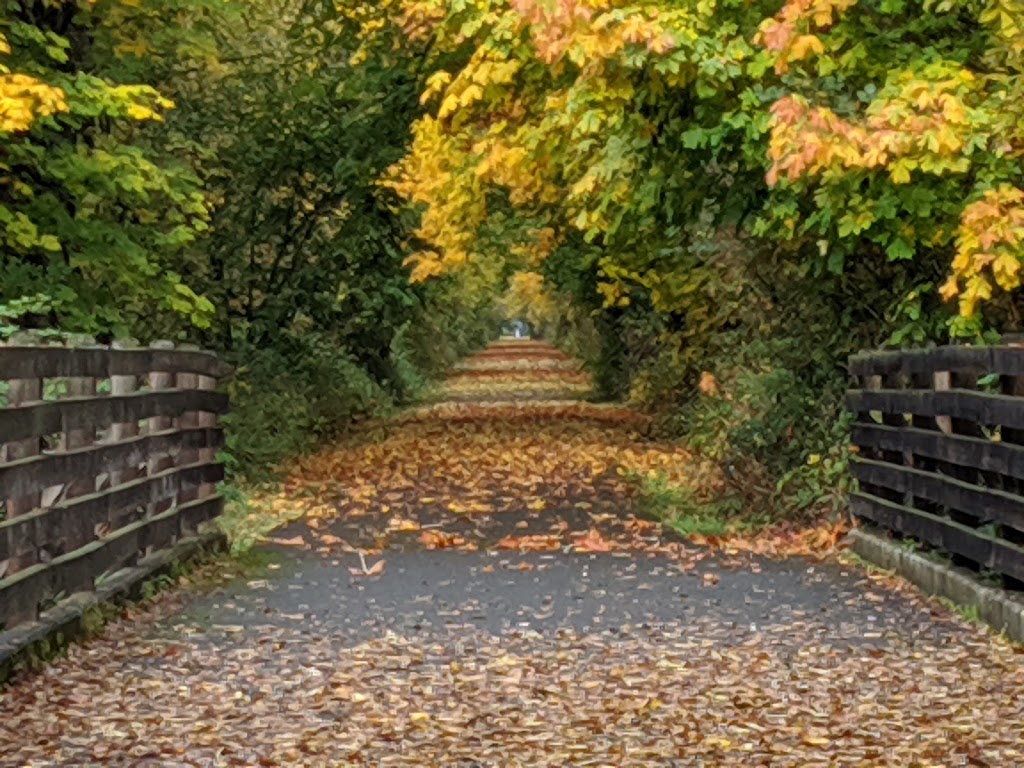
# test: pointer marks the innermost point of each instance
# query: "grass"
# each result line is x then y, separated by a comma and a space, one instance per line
849, 557
681, 509
251, 512
969, 613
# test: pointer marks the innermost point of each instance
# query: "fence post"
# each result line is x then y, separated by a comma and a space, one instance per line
21, 392
1012, 385
942, 382
124, 385
208, 420
872, 383
187, 420
158, 380
73, 439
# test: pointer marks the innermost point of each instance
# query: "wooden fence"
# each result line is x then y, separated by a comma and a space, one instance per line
107, 454
940, 439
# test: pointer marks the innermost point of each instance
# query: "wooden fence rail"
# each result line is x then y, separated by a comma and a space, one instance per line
940, 450
107, 454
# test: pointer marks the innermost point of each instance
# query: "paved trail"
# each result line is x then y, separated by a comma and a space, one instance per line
469, 587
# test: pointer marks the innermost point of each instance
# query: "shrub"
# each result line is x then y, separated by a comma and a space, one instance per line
285, 399
774, 422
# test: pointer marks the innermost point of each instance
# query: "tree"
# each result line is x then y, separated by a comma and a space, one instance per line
90, 220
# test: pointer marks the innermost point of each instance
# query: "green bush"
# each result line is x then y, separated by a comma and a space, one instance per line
307, 387
286, 400
407, 378
775, 425
445, 332
684, 510
753, 383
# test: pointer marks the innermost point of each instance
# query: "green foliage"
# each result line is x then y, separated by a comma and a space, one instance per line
299, 235
243, 522
92, 222
971, 612
450, 326
152, 587
288, 397
407, 379
755, 382
685, 512
206, 171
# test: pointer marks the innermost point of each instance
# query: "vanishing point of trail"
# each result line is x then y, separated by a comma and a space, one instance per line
469, 585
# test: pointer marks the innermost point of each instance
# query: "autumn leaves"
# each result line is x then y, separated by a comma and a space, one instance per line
562, 118
508, 459
505, 459
544, 626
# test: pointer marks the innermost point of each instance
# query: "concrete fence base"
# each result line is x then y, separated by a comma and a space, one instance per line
29, 645
998, 608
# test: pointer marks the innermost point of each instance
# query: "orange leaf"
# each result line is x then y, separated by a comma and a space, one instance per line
439, 540
403, 525
593, 541
296, 541
534, 543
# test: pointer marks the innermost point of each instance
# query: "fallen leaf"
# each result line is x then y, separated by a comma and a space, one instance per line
592, 541
532, 543
402, 525
784, 675
295, 541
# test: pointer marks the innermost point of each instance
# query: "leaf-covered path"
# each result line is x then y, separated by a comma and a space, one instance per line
468, 586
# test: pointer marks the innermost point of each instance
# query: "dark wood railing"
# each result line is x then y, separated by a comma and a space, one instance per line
940, 440
107, 454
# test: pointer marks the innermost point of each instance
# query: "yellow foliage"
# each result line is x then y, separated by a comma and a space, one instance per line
142, 112
990, 248
787, 34
435, 85
1007, 17
23, 99
425, 264
543, 119
489, 132
434, 177
934, 120
536, 247
529, 296
610, 292
585, 30
915, 123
